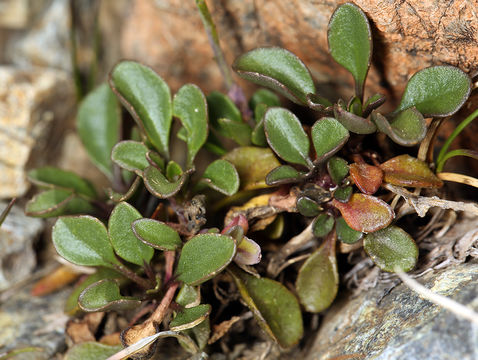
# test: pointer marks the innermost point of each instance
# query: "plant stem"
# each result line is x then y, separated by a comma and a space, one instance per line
168, 272
5, 212
133, 276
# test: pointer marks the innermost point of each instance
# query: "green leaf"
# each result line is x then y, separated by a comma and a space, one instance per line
216, 252
130, 155
404, 170
307, 207
56, 202
391, 248
118, 197
368, 178
104, 295
282, 175
98, 123
322, 225
214, 145
173, 171
91, 351
345, 233
52, 177
277, 69
158, 185
337, 169
275, 308
253, 164
350, 42
189, 296
343, 193
240, 132
436, 91
318, 280
147, 98
372, 103
286, 136
122, 237
258, 136
407, 128
365, 213
222, 176
328, 137
190, 317
355, 106
83, 240
221, 107
265, 97
189, 105
154, 159
157, 234
354, 123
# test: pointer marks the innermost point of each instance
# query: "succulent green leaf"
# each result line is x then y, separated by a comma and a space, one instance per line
51, 177
277, 69
98, 123
436, 91
275, 308
317, 102
147, 97
83, 240
391, 248
189, 105
282, 175
154, 159
222, 176
337, 169
190, 317
214, 145
216, 252
407, 128
189, 296
286, 136
221, 106
354, 123
104, 295
355, 106
405, 170
253, 164
157, 234
345, 233
258, 136
263, 96
365, 213
122, 237
322, 225
158, 185
130, 155
91, 351
328, 137
248, 252
307, 207
368, 178
173, 171
372, 103
350, 42
240, 132
343, 193
118, 197
56, 202
318, 279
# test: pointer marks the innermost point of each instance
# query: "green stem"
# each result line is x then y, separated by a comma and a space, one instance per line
454, 134
450, 154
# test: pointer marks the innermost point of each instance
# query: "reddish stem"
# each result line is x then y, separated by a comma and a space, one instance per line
168, 272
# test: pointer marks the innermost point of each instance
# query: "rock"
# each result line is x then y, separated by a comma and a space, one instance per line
17, 257
17, 14
27, 321
35, 108
400, 324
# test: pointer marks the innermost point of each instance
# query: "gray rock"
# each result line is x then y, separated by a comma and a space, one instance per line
401, 325
17, 257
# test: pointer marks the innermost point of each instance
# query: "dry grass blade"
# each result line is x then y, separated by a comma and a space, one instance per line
459, 178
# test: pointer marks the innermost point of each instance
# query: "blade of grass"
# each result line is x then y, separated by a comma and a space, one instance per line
459, 152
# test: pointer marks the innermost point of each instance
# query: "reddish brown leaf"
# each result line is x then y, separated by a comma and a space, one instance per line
221, 329
54, 281
405, 170
368, 178
365, 213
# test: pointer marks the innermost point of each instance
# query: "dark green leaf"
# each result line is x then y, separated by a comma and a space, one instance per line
436, 91
345, 233
53, 177
158, 185
323, 224
368, 178
190, 317
286, 136
124, 241
350, 42
240, 132
355, 106
338, 169
98, 123
157, 234
214, 145
147, 98
258, 136
91, 351
117, 197
104, 295
222, 176
189, 105
307, 207
83, 240
173, 171
277, 69
263, 96
282, 175
354, 123
372, 103
252, 164
275, 308
56, 202
216, 252
391, 248
408, 127
343, 193
318, 279
316, 193
221, 107
130, 155
328, 137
